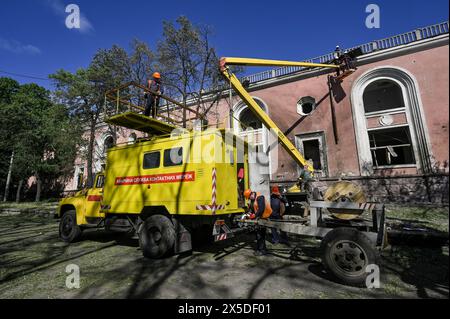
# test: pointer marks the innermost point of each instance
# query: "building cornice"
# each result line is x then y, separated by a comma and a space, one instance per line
368, 58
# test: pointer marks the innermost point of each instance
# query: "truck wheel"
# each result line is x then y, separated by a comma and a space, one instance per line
69, 231
157, 236
346, 254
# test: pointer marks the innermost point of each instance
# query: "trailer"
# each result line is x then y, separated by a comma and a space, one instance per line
349, 241
348, 247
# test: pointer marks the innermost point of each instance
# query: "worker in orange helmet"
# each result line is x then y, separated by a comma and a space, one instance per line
154, 85
278, 205
259, 206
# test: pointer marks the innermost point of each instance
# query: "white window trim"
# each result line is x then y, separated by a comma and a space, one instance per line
318, 136
380, 128
238, 108
399, 110
78, 169
381, 167
413, 110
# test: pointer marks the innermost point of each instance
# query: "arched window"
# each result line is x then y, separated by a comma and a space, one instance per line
248, 119
382, 95
389, 121
248, 126
389, 146
108, 143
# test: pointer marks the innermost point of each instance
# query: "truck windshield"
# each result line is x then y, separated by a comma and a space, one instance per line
100, 181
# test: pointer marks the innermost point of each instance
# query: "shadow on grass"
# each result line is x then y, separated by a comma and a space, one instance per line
427, 269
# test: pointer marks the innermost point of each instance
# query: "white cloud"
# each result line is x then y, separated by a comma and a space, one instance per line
59, 8
17, 47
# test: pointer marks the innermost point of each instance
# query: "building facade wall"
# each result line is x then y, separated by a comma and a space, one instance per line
422, 72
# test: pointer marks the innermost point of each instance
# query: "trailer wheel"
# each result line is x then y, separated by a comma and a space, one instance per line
157, 236
346, 254
69, 231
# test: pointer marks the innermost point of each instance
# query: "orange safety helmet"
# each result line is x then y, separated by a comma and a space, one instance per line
156, 75
247, 193
275, 190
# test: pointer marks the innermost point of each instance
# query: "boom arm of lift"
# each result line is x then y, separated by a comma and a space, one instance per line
251, 103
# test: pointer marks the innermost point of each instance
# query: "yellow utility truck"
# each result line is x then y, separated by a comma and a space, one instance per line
163, 188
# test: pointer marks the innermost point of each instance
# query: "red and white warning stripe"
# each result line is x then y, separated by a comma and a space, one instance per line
213, 207
368, 206
214, 190
221, 237
210, 207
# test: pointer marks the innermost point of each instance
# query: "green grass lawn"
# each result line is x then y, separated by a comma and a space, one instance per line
28, 206
431, 217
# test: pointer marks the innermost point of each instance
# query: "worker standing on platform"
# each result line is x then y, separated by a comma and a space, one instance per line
261, 208
152, 104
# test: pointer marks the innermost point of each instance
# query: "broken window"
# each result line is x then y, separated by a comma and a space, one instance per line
248, 119
312, 152
382, 95
306, 105
313, 148
391, 146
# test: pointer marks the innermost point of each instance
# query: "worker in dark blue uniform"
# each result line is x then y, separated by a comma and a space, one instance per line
278, 205
152, 104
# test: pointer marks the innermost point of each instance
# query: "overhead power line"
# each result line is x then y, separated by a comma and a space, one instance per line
24, 76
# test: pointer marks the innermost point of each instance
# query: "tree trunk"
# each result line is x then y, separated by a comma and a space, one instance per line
19, 191
8, 179
90, 152
38, 188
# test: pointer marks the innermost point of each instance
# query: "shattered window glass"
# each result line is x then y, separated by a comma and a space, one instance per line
391, 146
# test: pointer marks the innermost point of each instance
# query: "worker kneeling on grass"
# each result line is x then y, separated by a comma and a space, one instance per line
261, 208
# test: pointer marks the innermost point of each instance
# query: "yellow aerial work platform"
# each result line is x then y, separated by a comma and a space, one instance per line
141, 123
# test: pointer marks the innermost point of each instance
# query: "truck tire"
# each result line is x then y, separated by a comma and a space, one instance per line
346, 254
157, 236
69, 231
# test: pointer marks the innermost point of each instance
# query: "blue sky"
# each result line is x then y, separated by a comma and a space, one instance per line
35, 41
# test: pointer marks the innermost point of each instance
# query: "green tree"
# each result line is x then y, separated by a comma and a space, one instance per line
84, 90
187, 61
42, 136
142, 64
8, 88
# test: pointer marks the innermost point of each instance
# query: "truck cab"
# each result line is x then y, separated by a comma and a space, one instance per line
81, 209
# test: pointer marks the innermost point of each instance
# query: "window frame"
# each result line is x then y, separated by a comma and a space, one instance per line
415, 115
151, 152
97, 180
302, 102
392, 111
383, 111
411, 145
173, 164
320, 137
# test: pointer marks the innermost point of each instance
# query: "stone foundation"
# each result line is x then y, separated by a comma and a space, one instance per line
406, 189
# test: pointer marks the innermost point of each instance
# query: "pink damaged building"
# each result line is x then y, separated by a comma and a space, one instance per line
385, 127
